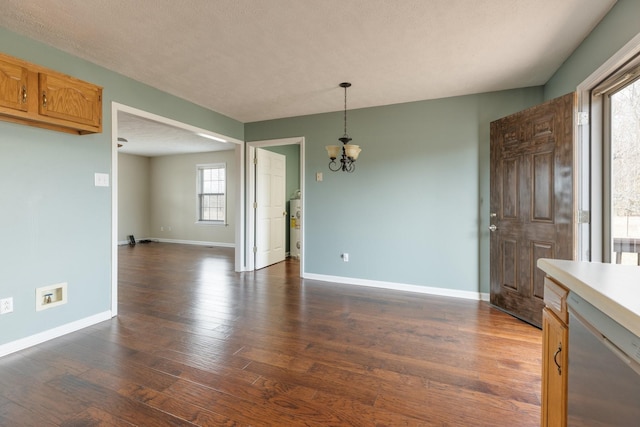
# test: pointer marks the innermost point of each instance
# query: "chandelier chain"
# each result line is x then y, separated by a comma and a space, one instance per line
345, 110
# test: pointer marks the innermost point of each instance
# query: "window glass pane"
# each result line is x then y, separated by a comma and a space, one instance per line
625, 174
211, 193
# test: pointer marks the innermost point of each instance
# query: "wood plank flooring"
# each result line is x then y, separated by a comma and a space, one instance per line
198, 344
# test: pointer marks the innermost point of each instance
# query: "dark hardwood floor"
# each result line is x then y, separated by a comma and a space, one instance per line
198, 344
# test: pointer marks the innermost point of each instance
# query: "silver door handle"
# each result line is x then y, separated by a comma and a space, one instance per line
492, 228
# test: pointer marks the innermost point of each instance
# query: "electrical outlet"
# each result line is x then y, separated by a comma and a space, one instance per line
345, 257
6, 305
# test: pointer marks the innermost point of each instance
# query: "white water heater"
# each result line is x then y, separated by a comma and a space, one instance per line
295, 209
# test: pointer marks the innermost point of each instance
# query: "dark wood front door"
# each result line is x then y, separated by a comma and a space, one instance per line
531, 203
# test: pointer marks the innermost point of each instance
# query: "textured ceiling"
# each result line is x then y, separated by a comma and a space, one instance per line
262, 59
145, 137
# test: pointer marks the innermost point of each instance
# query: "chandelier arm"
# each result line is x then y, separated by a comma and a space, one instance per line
336, 167
350, 167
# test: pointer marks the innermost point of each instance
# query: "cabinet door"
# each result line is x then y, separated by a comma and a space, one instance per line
66, 98
13, 86
554, 370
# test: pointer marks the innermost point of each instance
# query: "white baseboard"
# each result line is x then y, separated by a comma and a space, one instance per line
50, 334
430, 290
126, 242
183, 242
195, 242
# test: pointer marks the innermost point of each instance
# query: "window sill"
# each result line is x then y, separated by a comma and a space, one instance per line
214, 223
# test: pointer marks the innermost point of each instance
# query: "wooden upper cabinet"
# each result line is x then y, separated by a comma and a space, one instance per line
70, 99
36, 96
13, 86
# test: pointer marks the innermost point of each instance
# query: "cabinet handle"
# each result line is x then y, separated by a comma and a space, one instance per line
24, 94
555, 360
44, 99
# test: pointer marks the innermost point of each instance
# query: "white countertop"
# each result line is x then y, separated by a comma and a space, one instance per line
613, 289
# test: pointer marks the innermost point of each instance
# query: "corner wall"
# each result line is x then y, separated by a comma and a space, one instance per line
616, 29
134, 196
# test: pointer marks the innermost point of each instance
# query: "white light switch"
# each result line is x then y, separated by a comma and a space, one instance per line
318, 176
101, 179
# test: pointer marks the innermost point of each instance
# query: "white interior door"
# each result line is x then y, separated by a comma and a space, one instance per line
271, 212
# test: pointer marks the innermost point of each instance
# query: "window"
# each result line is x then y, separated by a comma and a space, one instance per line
617, 99
212, 193
625, 173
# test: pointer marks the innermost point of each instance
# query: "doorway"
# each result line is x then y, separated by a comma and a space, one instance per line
251, 194
235, 145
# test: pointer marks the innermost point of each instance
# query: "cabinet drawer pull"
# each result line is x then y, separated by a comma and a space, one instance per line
555, 360
24, 94
44, 99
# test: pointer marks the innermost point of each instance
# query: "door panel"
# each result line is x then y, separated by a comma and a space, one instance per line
543, 187
271, 215
531, 202
13, 86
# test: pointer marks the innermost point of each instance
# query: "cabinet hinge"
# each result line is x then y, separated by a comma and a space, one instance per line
582, 118
255, 205
255, 160
255, 249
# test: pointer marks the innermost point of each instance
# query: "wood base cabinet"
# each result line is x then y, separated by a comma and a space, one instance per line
37, 96
555, 356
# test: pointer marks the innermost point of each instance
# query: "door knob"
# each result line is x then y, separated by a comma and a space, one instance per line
492, 227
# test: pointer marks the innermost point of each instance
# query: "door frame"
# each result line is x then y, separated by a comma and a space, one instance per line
251, 194
592, 238
240, 195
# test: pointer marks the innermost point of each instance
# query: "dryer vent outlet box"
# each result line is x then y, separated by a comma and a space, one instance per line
51, 296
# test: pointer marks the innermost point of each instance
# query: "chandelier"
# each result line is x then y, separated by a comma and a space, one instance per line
350, 152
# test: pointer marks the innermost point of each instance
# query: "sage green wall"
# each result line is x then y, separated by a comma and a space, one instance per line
415, 210
292, 153
621, 24
173, 198
134, 196
55, 224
